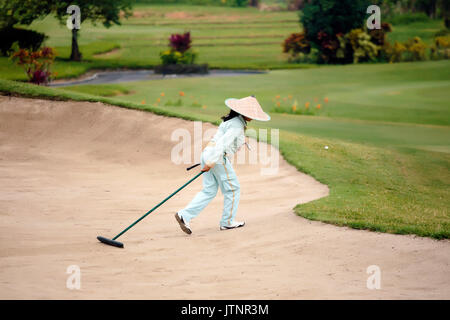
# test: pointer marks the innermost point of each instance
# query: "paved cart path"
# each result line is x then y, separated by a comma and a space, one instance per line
102, 77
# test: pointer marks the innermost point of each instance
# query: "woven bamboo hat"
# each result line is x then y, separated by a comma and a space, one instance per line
248, 107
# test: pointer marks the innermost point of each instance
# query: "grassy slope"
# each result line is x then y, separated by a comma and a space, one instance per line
14, 88
379, 189
383, 175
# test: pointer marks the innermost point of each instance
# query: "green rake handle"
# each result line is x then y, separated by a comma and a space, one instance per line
158, 205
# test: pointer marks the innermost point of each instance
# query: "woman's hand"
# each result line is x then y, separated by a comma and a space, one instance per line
206, 168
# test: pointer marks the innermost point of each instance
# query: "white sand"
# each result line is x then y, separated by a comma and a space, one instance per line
70, 171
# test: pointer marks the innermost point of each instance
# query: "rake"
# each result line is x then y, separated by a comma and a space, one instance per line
113, 242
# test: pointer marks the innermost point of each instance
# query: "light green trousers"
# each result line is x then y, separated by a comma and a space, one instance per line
221, 175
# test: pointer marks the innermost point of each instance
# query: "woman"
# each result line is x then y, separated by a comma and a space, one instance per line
216, 164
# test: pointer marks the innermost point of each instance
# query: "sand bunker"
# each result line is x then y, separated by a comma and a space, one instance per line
70, 171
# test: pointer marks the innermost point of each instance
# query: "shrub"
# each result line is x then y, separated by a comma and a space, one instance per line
176, 57
170, 56
327, 46
180, 51
311, 57
36, 64
324, 20
345, 51
412, 50
378, 36
296, 43
415, 49
395, 52
441, 48
357, 47
180, 42
188, 57
26, 39
363, 48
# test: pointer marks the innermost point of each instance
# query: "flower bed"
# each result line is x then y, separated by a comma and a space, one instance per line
180, 57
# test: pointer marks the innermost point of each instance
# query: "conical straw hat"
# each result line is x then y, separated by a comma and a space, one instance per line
248, 107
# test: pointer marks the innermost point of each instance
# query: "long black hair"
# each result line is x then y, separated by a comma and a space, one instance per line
232, 114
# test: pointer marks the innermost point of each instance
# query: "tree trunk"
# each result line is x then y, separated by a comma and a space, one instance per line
76, 54
445, 10
432, 9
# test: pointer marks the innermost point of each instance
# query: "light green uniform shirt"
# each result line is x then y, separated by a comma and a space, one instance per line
228, 139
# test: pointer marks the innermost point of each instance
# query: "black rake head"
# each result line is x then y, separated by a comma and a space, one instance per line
110, 242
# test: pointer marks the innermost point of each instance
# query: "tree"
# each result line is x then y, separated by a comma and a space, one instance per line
108, 12
240, 3
333, 16
22, 11
427, 6
324, 20
297, 4
445, 10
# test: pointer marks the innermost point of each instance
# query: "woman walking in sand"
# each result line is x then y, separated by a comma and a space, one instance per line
228, 139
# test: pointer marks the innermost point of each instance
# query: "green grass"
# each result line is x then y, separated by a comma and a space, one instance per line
220, 34
359, 95
14, 88
62, 66
106, 90
379, 189
386, 126
425, 30
407, 18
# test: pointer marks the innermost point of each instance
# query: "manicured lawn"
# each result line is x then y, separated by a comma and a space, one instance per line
224, 37
386, 125
219, 35
408, 93
105, 90
424, 30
